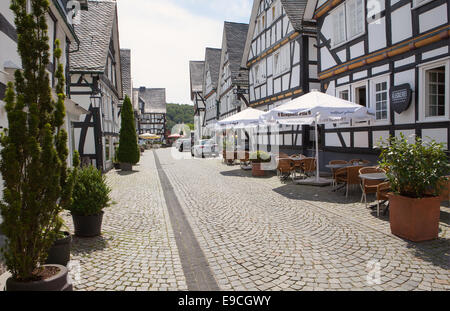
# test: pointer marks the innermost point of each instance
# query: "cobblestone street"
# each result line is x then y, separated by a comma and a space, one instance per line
254, 233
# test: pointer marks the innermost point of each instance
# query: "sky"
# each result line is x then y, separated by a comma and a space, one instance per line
164, 35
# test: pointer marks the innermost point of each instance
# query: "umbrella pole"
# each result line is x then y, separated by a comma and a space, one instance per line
317, 152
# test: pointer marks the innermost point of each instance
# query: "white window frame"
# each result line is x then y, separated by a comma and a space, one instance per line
284, 67
338, 90
422, 89
372, 98
354, 86
416, 4
336, 11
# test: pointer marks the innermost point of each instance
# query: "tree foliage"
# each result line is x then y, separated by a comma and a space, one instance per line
414, 170
128, 150
37, 184
90, 193
179, 114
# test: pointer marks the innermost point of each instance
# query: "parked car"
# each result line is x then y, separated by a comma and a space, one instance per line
183, 144
205, 147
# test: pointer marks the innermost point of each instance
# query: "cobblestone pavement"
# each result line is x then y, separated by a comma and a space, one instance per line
255, 233
261, 234
137, 249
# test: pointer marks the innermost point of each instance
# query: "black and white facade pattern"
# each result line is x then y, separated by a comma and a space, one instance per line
196, 80
230, 73
391, 56
281, 56
96, 83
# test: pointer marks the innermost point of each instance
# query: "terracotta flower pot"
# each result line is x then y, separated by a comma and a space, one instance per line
126, 166
59, 253
58, 282
414, 219
256, 170
88, 226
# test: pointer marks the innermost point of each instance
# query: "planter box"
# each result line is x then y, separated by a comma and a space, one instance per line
126, 166
88, 226
414, 219
59, 253
257, 171
58, 282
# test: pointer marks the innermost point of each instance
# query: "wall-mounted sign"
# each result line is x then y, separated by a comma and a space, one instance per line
400, 97
240, 91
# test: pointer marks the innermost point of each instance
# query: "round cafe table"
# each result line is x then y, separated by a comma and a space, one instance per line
376, 176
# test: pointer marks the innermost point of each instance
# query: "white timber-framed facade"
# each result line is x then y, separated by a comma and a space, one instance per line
196, 80
232, 85
281, 57
390, 56
96, 83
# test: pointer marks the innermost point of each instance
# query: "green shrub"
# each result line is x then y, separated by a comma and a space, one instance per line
128, 151
259, 157
414, 170
34, 151
90, 193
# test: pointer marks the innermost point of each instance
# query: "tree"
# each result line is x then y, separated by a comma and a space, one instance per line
37, 185
128, 151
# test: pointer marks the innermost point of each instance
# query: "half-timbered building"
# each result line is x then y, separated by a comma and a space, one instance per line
96, 83
127, 81
196, 80
281, 56
60, 26
210, 80
391, 56
230, 89
153, 106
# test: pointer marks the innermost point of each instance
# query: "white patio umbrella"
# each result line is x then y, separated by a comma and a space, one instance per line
246, 118
316, 108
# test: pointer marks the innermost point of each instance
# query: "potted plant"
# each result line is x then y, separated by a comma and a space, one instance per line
116, 162
258, 157
228, 152
90, 197
59, 252
33, 164
128, 152
415, 172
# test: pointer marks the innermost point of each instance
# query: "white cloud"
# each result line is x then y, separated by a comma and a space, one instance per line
163, 38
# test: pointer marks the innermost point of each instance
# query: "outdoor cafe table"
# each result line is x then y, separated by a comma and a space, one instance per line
376, 176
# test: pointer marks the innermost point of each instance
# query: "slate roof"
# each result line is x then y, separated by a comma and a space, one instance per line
154, 99
196, 76
295, 9
94, 33
236, 35
212, 58
125, 60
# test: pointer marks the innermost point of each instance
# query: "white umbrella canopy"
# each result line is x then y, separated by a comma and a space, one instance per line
246, 118
316, 108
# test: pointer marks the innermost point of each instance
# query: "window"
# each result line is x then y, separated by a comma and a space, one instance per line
344, 95
282, 60
339, 34
355, 18
259, 74
107, 149
348, 21
381, 100
435, 92
360, 96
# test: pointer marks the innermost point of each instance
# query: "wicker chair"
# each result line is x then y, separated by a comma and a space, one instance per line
285, 167
367, 185
334, 170
306, 166
348, 175
358, 161
382, 190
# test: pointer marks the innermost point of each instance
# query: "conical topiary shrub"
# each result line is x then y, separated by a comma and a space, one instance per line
37, 185
128, 152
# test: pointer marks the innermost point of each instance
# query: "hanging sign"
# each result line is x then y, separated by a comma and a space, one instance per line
400, 97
